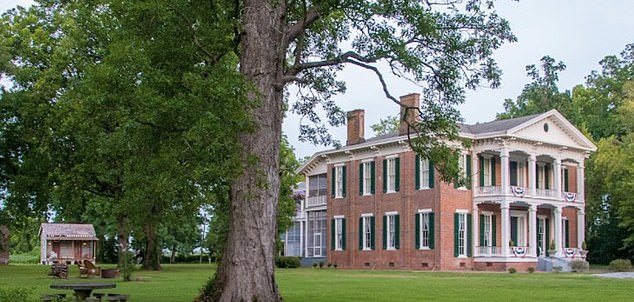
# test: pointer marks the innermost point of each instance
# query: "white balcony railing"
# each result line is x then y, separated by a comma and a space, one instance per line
315, 201
545, 193
488, 251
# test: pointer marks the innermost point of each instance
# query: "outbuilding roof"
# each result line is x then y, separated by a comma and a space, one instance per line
66, 231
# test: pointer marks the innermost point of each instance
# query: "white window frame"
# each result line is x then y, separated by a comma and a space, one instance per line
391, 230
339, 181
424, 229
423, 179
486, 164
339, 233
541, 176
391, 174
367, 178
462, 166
462, 234
367, 232
487, 232
521, 228
541, 232
521, 174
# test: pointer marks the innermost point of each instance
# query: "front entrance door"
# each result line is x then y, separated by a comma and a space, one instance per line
317, 245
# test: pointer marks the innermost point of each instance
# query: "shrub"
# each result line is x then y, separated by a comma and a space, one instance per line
512, 270
620, 265
321, 264
531, 269
557, 269
315, 264
579, 266
18, 294
288, 262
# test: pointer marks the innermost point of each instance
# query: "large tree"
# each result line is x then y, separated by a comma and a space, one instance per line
444, 46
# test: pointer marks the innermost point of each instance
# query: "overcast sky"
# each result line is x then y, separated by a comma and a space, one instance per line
578, 32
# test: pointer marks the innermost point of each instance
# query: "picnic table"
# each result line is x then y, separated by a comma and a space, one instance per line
83, 290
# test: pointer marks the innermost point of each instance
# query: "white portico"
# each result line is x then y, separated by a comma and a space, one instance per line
528, 188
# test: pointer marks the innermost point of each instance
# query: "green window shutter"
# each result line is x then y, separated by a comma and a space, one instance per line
456, 181
372, 173
455, 234
566, 180
360, 179
493, 231
332, 182
397, 170
431, 230
468, 180
372, 231
343, 234
397, 233
384, 232
469, 235
361, 233
417, 173
566, 234
546, 177
332, 234
537, 171
493, 172
385, 176
343, 180
417, 226
513, 173
481, 161
431, 174
481, 230
547, 236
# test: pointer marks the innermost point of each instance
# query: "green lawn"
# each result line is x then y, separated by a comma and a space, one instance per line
181, 283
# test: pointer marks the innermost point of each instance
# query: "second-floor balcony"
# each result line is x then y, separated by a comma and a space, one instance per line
517, 191
316, 201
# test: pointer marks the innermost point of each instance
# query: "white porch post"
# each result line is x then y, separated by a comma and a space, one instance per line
581, 227
532, 225
504, 169
504, 224
531, 174
557, 178
475, 230
580, 183
557, 229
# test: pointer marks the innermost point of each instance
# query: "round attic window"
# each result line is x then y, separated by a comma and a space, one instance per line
545, 127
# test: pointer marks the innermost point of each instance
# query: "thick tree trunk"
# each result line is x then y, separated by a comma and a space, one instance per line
246, 271
152, 257
122, 240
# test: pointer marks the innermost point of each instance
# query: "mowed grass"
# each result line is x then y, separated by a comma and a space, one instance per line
182, 282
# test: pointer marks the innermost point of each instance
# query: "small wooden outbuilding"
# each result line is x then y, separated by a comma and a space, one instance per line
67, 242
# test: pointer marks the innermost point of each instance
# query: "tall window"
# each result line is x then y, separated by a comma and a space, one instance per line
339, 181
366, 178
316, 233
339, 233
543, 179
366, 234
486, 172
518, 230
424, 173
517, 173
486, 230
462, 237
425, 230
391, 231
464, 164
391, 174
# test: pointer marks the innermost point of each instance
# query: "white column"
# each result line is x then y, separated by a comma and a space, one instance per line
301, 238
504, 169
557, 229
557, 178
475, 177
581, 227
532, 160
580, 183
475, 230
532, 226
504, 225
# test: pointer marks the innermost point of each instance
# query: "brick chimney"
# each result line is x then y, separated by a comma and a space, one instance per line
412, 101
356, 119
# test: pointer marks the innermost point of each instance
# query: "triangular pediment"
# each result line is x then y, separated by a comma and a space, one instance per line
552, 128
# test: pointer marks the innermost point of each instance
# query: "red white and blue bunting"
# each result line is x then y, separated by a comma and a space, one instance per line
518, 191
570, 196
570, 252
519, 251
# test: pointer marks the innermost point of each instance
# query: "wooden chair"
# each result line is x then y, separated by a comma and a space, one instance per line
59, 270
91, 269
